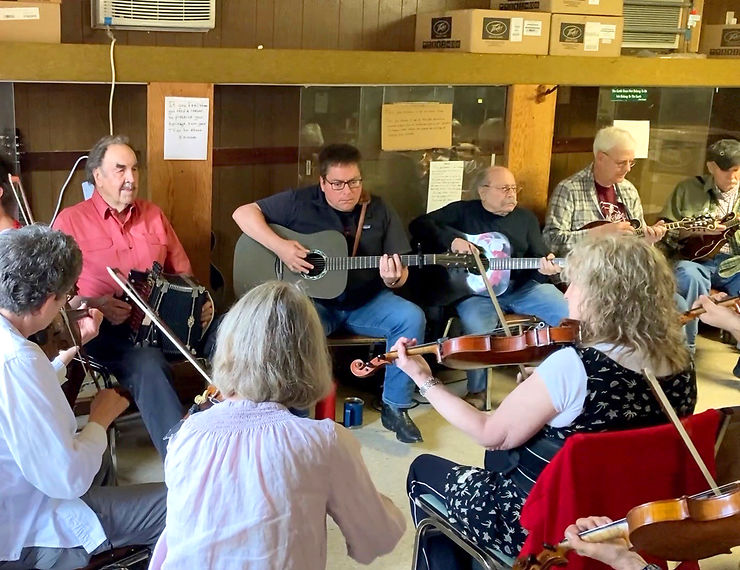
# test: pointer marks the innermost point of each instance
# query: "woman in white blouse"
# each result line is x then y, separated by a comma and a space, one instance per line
622, 292
250, 484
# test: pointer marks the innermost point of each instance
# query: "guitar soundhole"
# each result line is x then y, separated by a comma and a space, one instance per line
319, 265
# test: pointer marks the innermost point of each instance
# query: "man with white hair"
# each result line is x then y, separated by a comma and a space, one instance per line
599, 192
715, 194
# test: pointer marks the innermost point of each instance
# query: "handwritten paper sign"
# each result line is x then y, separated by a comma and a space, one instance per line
445, 183
416, 126
186, 128
640, 131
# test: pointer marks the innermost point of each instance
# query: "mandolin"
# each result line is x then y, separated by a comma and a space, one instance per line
702, 222
696, 248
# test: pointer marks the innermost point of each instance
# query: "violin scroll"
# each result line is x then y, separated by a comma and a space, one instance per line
550, 557
363, 369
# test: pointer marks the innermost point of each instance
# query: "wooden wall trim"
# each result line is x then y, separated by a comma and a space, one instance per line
145, 64
530, 122
182, 188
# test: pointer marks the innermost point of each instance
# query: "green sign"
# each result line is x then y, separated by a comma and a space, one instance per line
629, 94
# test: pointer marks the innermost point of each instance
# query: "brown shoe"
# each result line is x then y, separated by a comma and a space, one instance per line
476, 399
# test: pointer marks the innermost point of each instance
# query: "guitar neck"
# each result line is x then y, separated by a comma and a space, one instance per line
501, 263
373, 261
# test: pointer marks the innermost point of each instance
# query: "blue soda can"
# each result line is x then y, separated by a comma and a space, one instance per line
353, 412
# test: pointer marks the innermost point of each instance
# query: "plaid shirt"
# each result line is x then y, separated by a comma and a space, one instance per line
573, 204
693, 197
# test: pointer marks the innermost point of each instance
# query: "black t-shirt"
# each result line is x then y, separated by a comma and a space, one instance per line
436, 230
306, 210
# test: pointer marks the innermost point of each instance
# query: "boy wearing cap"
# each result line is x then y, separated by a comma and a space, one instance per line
716, 194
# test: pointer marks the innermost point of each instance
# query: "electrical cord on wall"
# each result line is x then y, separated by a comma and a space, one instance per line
64, 188
112, 78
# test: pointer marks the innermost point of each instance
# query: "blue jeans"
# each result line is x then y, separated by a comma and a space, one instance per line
385, 315
146, 373
478, 316
697, 278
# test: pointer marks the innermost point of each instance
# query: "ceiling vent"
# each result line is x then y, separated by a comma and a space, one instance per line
155, 15
652, 24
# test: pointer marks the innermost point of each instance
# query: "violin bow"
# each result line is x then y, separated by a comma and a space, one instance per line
20, 197
494, 300
81, 356
149, 312
671, 413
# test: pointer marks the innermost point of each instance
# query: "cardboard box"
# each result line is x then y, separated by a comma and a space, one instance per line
599, 36
720, 41
483, 31
30, 21
596, 7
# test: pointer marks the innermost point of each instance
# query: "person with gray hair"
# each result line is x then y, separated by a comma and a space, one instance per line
266, 477
716, 194
55, 514
598, 193
495, 221
116, 228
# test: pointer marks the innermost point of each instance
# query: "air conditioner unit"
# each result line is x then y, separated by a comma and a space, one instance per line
155, 15
653, 24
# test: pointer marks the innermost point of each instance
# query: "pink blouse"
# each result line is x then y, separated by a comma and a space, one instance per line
250, 486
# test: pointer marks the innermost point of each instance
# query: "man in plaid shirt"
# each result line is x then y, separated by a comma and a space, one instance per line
599, 192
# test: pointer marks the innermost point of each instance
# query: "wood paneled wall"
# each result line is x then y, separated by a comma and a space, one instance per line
68, 117
249, 116
306, 24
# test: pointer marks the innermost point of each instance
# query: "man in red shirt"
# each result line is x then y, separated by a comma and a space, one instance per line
114, 228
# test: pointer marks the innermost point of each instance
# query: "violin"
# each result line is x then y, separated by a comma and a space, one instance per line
481, 350
732, 302
686, 528
63, 333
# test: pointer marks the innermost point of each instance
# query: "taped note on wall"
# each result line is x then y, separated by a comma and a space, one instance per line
186, 128
416, 126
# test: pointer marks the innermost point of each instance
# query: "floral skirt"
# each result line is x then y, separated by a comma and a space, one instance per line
486, 506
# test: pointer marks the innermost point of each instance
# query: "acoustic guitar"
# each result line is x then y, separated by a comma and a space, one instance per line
255, 264
498, 263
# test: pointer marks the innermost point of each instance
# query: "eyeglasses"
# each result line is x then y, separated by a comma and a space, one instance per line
338, 185
506, 188
623, 163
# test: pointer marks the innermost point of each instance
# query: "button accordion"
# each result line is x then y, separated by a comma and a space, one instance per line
177, 299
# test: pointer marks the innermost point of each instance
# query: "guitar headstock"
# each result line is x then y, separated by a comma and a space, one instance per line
464, 261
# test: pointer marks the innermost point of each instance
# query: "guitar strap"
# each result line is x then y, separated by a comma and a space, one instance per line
364, 200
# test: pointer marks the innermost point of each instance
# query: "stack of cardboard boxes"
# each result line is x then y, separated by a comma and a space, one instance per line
38, 21
721, 40
539, 27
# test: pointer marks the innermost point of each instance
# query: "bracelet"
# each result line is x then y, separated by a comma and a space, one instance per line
651, 567
394, 283
424, 388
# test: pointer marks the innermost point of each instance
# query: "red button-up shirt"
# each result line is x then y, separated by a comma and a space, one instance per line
144, 236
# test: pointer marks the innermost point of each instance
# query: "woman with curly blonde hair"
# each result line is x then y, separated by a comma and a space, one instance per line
622, 292
250, 484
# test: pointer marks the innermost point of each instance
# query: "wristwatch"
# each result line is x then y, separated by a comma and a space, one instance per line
652, 567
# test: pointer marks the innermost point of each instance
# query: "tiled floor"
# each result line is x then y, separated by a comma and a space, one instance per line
388, 460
